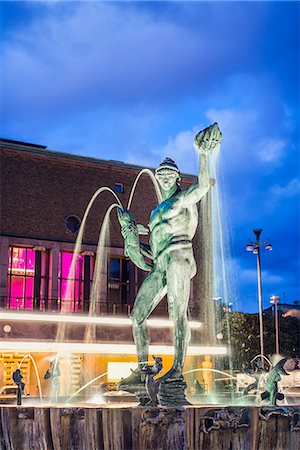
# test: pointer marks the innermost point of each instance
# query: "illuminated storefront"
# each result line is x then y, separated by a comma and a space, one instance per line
27, 283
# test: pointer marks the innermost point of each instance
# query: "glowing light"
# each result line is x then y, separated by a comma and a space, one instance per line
118, 370
105, 320
104, 348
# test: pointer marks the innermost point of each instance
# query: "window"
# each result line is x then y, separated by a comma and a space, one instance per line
27, 278
118, 280
119, 187
70, 285
72, 224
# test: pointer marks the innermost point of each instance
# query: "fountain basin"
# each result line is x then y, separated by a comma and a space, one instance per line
128, 427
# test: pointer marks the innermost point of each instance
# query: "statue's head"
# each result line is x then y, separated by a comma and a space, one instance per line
167, 174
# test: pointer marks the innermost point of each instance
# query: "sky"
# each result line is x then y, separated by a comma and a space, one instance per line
135, 81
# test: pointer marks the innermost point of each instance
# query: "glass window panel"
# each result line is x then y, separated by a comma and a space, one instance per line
114, 268
79, 296
29, 293
17, 291
29, 287
30, 262
119, 187
66, 259
78, 268
125, 270
70, 289
67, 289
18, 260
125, 294
67, 294
114, 292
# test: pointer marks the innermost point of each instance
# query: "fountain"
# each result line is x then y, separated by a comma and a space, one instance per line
171, 416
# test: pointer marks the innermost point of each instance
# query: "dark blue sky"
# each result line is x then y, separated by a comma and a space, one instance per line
134, 81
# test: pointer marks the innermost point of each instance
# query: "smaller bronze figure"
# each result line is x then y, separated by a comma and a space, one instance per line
297, 366
271, 384
199, 390
17, 378
151, 384
255, 372
54, 373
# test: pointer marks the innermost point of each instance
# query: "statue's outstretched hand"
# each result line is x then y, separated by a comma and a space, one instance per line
208, 140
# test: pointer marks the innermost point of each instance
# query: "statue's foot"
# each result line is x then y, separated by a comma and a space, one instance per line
136, 377
170, 375
171, 390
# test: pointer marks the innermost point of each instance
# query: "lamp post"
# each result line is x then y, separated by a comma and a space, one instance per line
254, 247
275, 300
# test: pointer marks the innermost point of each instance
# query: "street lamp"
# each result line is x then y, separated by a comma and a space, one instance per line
275, 300
254, 247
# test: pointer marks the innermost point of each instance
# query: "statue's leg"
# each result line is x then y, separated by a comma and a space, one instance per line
152, 290
179, 273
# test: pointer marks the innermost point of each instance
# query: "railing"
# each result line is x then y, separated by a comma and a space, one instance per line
68, 306
75, 306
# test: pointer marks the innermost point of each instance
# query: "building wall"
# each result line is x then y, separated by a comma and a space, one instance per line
38, 192
40, 189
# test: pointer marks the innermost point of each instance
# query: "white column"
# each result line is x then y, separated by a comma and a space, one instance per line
53, 275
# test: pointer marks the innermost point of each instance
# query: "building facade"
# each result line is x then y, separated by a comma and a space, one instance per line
44, 195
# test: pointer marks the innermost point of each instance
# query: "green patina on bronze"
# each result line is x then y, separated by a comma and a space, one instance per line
271, 393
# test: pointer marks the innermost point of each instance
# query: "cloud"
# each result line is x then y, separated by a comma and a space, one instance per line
275, 201
250, 276
272, 150
237, 125
180, 148
113, 53
289, 190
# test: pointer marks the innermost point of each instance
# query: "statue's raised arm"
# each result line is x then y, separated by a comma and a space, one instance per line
206, 142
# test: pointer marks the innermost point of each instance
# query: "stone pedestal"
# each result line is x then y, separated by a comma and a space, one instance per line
149, 428
162, 429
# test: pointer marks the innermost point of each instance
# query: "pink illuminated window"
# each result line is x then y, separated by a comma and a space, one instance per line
21, 270
28, 275
70, 282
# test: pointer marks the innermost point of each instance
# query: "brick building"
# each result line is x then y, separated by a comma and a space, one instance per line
43, 198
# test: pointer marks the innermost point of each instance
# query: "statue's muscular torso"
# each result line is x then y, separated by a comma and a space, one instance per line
172, 223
